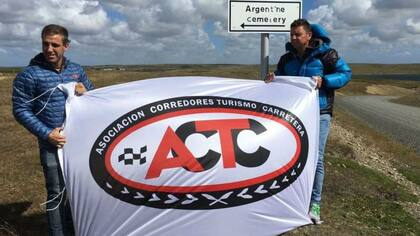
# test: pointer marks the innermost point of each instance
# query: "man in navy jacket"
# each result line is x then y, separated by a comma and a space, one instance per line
39, 106
309, 54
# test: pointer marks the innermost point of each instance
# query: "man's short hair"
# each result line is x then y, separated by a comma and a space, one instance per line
301, 22
56, 29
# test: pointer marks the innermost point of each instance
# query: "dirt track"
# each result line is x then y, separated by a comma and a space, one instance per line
399, 121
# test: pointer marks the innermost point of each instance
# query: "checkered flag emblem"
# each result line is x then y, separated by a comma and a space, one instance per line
129, 156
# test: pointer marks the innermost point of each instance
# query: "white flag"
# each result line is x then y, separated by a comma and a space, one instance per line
192, 156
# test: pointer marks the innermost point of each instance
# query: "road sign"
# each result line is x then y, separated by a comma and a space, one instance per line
263, 16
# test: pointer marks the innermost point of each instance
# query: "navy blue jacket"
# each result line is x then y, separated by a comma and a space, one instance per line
33, 81
319, 60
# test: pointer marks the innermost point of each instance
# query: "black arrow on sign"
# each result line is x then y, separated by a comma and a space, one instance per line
244, 25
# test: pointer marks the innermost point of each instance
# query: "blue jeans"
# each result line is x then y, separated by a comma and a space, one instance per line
59, 220
324, 129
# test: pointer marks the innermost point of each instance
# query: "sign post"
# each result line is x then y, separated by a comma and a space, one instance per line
263, 17
264, 55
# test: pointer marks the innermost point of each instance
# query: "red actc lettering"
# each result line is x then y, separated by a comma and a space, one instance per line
184, 158
224, 128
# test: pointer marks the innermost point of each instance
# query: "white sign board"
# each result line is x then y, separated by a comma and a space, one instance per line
263, 16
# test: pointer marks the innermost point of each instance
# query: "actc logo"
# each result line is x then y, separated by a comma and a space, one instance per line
228, 130
199, 153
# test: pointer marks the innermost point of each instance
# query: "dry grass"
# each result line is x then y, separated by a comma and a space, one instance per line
359, 86
22, 181
385, 69
410, 99
404, 158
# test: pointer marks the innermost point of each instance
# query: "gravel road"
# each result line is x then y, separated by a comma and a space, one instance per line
399, 121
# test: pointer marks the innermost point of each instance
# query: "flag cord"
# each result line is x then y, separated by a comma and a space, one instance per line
49, 97
61, 195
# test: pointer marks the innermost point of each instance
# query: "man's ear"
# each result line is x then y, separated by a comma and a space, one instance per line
66, 46
310, 35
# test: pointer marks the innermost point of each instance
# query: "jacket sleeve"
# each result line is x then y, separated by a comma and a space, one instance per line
340, 77
86, 82
280, 66
23, 92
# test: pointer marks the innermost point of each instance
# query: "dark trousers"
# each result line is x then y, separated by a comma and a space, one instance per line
58, 214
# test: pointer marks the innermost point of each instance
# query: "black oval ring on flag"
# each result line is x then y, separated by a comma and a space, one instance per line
211, 196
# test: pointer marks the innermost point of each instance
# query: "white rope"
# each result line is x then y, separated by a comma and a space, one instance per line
46, 103
61, 195
33, 99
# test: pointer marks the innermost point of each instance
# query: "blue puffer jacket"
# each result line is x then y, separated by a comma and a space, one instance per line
33, 81
320, 59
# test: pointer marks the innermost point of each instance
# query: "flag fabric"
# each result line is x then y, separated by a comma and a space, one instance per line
191, 156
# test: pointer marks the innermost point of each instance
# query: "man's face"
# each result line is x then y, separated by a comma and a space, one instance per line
299, 37
53, 49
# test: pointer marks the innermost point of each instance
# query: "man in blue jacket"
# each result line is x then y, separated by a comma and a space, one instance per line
39, 106
309, 54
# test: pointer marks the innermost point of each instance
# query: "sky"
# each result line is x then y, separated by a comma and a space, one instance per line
123, 32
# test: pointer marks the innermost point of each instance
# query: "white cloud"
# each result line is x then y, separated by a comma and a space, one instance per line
195, 31
215, 10
81, 17
371, 28
413, 26
392, 4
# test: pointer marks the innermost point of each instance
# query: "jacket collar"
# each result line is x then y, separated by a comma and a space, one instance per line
316, 46
39, 60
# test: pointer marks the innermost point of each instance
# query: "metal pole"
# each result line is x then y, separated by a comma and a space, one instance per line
264, 55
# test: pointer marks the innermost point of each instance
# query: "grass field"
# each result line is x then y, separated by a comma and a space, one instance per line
411, 99
358, 200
